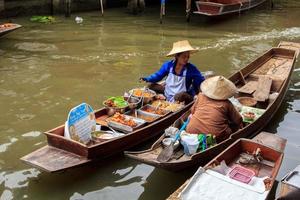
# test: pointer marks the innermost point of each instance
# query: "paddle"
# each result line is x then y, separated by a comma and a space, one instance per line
166, 154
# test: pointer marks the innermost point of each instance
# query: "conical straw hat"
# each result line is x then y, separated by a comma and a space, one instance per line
218, 88
181, 46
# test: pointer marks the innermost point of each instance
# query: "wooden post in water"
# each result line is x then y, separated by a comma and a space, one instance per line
188, 10
136, 6
1, 6
162, 9
67, 8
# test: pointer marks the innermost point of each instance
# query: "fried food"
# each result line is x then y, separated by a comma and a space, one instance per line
158, 111
249, 115
142, 93
116, 102
120, 118
167, 105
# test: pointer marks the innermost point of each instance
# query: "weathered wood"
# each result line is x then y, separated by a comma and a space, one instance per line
290, 45
52, 159
242, 78
215, 8
264, 141
263, 88
1, 5
272, 140
67, 8
200, 158
249, 88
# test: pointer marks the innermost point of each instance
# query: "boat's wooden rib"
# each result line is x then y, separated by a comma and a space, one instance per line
271, 145
265, 65
74, 153
4, 31
214, 8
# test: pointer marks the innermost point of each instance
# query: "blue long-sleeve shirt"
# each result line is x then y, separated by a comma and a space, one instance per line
193, 76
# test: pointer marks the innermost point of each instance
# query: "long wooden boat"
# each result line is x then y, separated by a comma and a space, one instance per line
213, 8
8, 27
272, 148
62, 153
276, 64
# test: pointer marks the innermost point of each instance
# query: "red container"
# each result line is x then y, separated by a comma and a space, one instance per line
241, 174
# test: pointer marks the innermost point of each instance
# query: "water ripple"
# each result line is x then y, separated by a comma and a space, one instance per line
35, 46
3, 147
18, 179
32, 134
288, 33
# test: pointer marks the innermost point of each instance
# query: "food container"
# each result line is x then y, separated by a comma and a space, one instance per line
101, 136
247, 101
173, 107
133, 102
167, 142
153, 110
148, 117
146, 94
125, 128
111, 110
241, 174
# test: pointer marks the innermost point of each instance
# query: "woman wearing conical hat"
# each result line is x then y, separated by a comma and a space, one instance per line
183, 78
212, 112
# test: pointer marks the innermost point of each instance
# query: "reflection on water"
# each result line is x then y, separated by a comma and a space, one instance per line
46, 69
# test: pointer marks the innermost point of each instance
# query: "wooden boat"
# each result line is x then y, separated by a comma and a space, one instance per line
7, 28
276, 64
62, 153
213, 8
271, 147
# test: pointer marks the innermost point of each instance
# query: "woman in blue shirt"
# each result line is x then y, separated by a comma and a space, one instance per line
183, 78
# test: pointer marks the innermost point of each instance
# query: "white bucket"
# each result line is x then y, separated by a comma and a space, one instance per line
190, 143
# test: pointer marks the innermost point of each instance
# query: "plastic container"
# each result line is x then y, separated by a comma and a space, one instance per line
190, 144
241, 174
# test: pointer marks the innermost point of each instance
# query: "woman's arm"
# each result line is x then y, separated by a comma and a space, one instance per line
160, 74
234, 116
196, 78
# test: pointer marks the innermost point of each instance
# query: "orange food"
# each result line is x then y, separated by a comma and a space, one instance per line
120, 118
157, 111
249, 115
140, 93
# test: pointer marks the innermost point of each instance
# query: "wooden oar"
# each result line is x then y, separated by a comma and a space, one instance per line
167, 153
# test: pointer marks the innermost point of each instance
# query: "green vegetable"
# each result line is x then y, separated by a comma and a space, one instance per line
119, 101
42, 19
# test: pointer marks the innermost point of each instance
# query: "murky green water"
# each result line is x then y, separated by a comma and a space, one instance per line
48, 69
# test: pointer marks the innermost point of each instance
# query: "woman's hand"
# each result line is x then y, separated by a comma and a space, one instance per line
142, 79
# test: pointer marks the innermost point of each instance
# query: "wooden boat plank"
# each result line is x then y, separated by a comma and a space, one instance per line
52, 159
249, 87
271, 140
263, 88
290, 45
